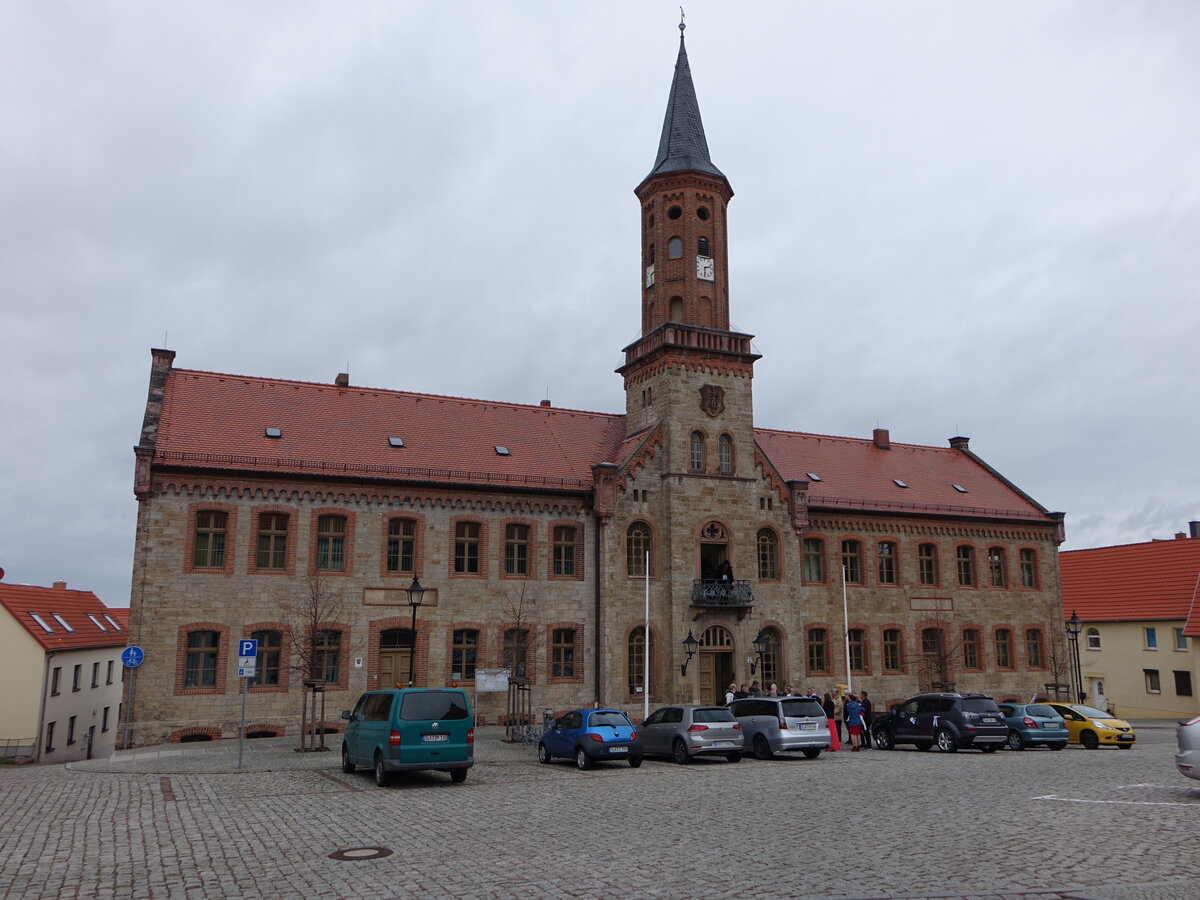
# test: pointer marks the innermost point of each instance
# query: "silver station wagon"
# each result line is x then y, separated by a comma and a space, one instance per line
685, 732
773, 725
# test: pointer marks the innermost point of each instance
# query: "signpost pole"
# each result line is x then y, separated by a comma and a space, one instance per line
247, 662
242, 727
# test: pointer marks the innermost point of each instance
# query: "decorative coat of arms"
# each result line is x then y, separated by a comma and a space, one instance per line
712, 400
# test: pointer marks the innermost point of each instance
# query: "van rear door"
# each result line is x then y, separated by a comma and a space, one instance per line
434, 726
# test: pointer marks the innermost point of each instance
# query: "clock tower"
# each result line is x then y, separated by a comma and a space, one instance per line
685, 277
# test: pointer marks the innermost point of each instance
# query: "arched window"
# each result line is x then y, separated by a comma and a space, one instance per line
768, 554
997, 570
725, 454
675, 248
771, 673
1093, 638
702, 248
637, 548
696, 452
675, 310
637, 682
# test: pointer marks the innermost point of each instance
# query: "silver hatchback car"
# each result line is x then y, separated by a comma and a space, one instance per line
685, 732
778, 724
1187, 760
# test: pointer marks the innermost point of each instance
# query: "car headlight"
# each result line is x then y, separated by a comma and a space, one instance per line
1100, 724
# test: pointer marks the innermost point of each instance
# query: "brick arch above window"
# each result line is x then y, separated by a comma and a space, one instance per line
201, 658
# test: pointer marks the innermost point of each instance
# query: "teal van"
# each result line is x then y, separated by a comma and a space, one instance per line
410, 730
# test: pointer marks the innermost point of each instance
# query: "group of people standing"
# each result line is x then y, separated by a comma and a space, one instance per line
850, 711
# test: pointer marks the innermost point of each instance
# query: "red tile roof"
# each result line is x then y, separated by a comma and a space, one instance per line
1152, 581
75, 608
219, 421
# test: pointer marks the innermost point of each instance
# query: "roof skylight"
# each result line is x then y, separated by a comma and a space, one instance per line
63, 622
46, 628
96, 622
111, 622
899, 483
813, 476
501, 450
395, 442
960, 488
273, 432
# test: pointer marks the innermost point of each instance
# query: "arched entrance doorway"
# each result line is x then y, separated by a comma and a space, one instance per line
716, 663
395, 650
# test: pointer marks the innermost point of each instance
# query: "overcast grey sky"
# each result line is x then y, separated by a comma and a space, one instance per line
950, 218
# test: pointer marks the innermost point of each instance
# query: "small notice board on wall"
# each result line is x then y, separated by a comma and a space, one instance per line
491, 681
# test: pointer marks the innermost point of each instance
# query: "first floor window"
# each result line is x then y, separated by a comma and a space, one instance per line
104, 719
927, 567
696, 452
109, 673
71, 730
200, 666
965, 557
562, 653
464, 654
272, 541
886, 551
1003, 648
814, 561
466, 548
266, 664
327, 655
1093, 638
970, 648
725, 455
402, 545
858, 650
56, 681
516, 550
209, 549
636, 663
818, 655
331, 543
564, 549
1183, 683
771, 656
893, 658
1034, 649
50, 737
1028, 567
997, 576
852, 561
1153, 684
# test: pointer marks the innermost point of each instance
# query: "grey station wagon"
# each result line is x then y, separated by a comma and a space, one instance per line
773, 725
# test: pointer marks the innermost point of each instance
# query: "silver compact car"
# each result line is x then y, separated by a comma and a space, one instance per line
772, 725
1187, 760
685, 732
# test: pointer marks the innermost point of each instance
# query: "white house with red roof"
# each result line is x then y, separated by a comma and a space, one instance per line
1139, 642
582, 552
61, 671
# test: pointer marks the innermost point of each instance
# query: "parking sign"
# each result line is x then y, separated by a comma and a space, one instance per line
248, 648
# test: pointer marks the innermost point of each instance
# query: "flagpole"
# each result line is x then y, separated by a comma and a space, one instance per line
846, 633
646, 649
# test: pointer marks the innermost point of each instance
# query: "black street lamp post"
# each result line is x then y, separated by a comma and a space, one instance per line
1074, 626
415, 594
689, 646
760, 648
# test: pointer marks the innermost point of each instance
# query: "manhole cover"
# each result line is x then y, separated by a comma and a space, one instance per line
356, 853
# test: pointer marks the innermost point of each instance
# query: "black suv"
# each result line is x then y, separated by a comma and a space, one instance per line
949, 720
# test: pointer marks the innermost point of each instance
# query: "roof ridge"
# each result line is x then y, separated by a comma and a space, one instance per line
850, 439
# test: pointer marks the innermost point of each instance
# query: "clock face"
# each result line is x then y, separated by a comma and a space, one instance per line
704, 267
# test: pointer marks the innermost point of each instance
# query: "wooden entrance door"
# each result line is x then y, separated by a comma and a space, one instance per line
393, 668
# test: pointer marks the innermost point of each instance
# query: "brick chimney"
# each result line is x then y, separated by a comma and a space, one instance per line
959, 443
882, 439
1194, 529
343, 380
545, 403
59, 585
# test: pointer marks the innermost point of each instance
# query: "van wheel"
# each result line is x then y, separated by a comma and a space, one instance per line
381, 774
1089, 740
762, 749
543, 754
679, 753
946, 741
812, 752
347, 766
458, 776
582, 760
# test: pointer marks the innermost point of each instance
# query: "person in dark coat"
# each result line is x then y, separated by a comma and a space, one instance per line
867, 718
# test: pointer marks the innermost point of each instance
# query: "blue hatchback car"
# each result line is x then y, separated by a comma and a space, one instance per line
1034, 724
590, 735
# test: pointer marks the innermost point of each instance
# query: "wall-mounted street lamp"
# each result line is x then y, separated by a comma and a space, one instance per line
416, 594
1074, 626
760, 648
689, 645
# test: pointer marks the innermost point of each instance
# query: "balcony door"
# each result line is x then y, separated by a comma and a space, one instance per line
714, 550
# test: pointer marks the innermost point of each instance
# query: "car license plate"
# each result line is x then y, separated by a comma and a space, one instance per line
807, 726
618, 749
1124, 737
722, 743
988, 720
434, 738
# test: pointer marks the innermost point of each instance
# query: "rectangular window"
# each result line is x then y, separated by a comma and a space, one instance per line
817, 643
858, 650
266, 664
1183, 683
516, 651
886, 552
402, 546
997, 577
1003, 648
71, 730
516, 550
209, 550
331, 543
95, 674
463, 654
927, 568
1180, 640
1151, 638
104, 719
725, 455
852, 561
55, 681
564, 549
109, 675
466, 548
77, 678
50, 737
892, 657
1153, 684
1028, 564
970, 648
200, 665
965, 557
562, 653
768, 563
327, 655
1033, 648
814, 561
272, 541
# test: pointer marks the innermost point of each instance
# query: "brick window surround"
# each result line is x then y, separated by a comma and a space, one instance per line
285, 647
578, 552
189, 552
578, 658
181, 658
347, 543
255, 517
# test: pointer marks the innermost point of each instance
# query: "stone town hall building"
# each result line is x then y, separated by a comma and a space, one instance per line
534, 528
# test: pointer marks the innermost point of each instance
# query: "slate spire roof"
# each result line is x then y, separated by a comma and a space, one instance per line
683, 147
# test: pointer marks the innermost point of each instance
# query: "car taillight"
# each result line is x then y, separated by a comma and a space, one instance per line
595, 737
1029, 723
633, 735
394, 739
470, 735
697, 728
783, 725
737, 726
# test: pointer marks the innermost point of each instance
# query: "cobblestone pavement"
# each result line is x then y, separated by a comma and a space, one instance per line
186, 823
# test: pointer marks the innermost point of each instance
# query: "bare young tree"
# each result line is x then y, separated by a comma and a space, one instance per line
518, 609
315, 647
941, 651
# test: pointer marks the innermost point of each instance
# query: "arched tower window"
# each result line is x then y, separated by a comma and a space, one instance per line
675, 313
637, 681
696, 452
675, 248
637, 548
725, 454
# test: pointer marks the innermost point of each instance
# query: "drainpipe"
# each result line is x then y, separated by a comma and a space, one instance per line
41, 723
596, 643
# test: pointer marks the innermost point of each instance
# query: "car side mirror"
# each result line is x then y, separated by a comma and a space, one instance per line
346, 714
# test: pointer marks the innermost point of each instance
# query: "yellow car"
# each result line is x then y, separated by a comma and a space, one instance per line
1094, 727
